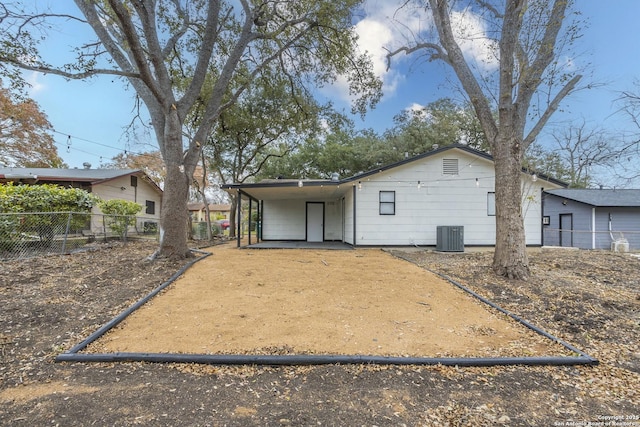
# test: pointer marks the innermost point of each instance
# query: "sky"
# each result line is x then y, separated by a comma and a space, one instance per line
90, 117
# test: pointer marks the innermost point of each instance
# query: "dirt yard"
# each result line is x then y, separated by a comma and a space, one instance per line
364, 302
590, 299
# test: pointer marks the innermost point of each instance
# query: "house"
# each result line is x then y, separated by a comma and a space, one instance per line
591, 218
127, 184
216, 211
403, 204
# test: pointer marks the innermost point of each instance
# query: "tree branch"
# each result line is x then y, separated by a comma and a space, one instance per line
439, 52
551, 108
465, 75
76, 76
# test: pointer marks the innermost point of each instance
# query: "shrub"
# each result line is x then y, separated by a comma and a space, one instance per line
43, 198
121, 215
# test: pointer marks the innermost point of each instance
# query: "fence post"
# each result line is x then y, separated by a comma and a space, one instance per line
66, 234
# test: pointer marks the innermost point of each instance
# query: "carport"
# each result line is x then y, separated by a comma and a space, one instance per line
314, 195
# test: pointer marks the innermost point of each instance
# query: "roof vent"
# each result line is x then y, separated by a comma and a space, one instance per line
335, 177
86, 165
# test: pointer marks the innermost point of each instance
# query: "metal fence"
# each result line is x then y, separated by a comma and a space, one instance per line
24, 235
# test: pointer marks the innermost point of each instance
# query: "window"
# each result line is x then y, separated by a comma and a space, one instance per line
134, 181
491, 204
387, 203
151, 207
450, 166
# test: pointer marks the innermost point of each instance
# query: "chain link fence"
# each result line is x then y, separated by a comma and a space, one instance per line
24, 235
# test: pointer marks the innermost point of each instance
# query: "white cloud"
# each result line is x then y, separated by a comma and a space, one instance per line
415, 107
373, 37
471, 34
36, 86
390, 24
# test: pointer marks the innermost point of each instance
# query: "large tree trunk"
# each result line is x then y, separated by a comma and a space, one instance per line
510, 256
174, 216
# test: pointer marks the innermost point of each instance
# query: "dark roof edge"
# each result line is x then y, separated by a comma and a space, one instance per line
473, 151
606, 204
75, 178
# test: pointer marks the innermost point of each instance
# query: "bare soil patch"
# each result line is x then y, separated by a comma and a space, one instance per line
296, 301
590, 299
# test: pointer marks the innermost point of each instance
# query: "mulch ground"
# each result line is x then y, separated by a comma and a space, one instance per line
590, 299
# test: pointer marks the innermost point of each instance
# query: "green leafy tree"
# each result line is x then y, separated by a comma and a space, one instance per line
180, 56
344, 150
338, 149
540, 160
120, 215
440, 123
274, 115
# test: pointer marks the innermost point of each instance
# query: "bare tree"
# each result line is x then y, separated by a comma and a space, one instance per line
629, 151
168, 49
525, 36
583, 149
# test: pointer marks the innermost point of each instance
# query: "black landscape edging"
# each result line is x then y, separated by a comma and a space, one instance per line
310, 359
320, 359
582, 355
120, 317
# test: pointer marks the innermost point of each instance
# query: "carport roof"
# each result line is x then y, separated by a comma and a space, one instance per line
293, 189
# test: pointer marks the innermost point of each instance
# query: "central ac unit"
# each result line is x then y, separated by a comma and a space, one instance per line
450, 238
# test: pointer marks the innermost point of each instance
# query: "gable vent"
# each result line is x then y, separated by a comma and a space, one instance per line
450, 166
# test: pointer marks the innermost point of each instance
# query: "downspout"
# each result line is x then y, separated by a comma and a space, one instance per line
593, 228
542, 213
355, 244
611, 229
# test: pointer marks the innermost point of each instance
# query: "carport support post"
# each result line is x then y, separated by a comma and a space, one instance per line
238, 216
259, 225
249, 219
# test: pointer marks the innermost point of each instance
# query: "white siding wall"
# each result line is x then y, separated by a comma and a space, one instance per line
333, 220
440, 200
532, 210
113, 190
284, 220
348, 217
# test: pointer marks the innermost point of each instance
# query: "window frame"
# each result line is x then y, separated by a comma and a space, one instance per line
384, 205
150, 204
491, 203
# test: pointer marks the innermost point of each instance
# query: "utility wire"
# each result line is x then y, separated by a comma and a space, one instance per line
70, 138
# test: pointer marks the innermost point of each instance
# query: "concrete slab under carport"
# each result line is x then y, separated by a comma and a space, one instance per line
283, 244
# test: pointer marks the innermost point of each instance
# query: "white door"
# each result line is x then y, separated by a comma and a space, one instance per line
315, 222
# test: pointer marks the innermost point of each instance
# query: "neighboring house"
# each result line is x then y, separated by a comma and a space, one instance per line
126, 184
591, 219
216, 211
402, 204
